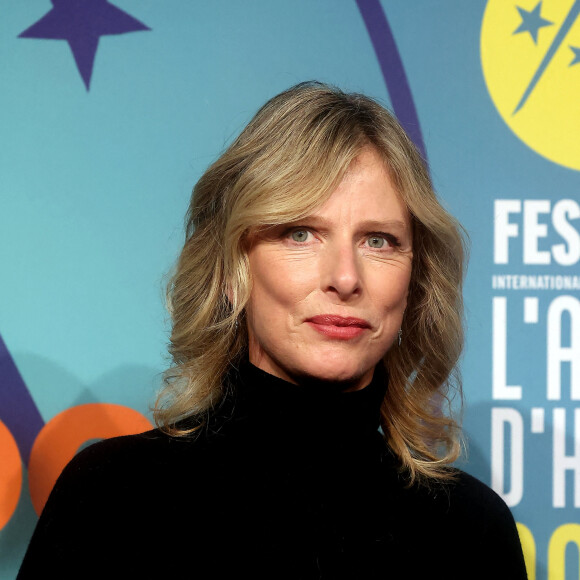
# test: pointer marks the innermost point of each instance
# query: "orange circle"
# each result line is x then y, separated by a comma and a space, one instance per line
10, 475
61, 437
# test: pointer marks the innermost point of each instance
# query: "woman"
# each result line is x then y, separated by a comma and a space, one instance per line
304, 430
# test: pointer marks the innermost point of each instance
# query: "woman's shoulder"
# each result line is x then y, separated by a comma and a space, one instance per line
120, 474
132, 454
482, 523
464, 519
464, 501
467, 493
124, 448
460, 502
126, 465
105, 496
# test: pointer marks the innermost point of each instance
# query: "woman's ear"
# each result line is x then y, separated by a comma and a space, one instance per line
229, 293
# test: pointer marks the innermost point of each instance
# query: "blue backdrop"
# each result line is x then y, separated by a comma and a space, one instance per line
110, 111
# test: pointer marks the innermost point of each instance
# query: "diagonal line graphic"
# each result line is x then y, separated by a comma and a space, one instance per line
392, 68
17, 408
558, 39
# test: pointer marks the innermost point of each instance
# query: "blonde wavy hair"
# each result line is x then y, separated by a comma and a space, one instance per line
284, 164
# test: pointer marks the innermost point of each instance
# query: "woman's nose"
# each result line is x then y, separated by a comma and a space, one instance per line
341, 272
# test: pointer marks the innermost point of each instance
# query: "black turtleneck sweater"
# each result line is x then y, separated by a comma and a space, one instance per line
283, 482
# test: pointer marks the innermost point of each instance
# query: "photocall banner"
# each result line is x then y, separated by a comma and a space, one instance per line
111, 110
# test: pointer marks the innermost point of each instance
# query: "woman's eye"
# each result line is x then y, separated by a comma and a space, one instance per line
376, 242
300, 235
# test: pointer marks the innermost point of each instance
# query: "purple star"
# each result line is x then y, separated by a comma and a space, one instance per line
81, 23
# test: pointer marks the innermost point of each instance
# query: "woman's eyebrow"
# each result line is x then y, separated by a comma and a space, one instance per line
369, 225
384, 224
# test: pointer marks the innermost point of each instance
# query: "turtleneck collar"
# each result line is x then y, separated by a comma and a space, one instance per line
269, 403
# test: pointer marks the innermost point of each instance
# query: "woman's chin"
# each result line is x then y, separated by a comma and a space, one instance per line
346, 377
348, 370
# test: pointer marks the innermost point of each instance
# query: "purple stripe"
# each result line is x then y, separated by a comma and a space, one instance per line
392, 68
17, 409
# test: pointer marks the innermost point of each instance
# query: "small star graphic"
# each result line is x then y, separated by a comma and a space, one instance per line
576, 51
81, 23
532, 21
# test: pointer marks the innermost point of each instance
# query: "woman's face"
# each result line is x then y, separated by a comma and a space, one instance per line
329, 291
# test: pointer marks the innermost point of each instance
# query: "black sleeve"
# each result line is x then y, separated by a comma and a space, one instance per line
492, 544
76, 535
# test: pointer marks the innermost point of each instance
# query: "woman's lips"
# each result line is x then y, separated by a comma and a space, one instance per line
340, 327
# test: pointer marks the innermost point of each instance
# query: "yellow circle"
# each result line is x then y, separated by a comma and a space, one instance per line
535, 82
